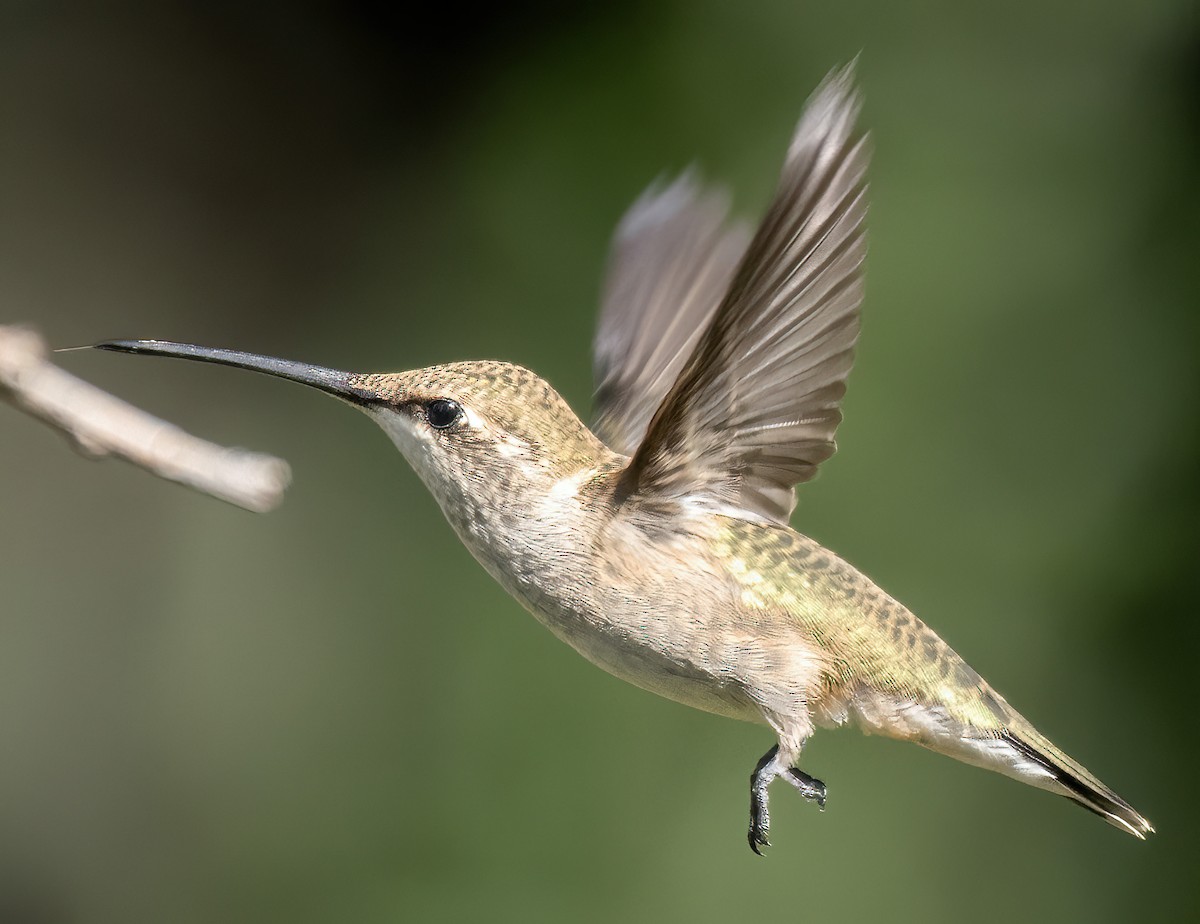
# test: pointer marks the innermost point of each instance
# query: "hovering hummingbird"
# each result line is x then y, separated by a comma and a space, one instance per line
657, 542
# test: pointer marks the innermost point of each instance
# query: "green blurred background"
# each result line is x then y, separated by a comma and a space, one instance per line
330, 712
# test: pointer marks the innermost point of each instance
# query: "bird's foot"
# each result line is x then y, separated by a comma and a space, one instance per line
760, 816
765, 771
760, 825
808, 786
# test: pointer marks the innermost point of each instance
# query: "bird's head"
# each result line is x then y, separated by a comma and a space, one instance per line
475, 432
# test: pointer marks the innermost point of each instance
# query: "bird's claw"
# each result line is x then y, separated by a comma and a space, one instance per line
809, 787
760, 823
758, 839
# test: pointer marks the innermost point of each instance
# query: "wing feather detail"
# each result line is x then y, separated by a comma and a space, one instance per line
671, 263
754, 410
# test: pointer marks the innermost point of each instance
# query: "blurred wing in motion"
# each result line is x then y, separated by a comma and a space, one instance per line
754, 410
670, 266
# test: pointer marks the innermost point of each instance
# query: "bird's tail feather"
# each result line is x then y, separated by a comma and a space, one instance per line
1072, 780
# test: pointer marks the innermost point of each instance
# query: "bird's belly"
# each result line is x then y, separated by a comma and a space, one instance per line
646, 662
652, 637
658, 671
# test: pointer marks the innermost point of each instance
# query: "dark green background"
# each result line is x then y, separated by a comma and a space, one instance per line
330, 713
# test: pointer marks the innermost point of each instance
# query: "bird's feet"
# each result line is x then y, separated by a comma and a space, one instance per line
765, 771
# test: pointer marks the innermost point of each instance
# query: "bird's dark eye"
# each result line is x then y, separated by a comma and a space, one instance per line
442, 413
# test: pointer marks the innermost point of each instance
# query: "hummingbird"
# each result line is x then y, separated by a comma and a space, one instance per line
657, 542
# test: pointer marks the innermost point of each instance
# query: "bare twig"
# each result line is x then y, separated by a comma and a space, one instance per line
99, 425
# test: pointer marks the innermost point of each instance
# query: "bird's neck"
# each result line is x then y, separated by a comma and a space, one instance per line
537, 536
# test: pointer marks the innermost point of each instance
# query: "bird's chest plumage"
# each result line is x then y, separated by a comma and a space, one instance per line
652, 612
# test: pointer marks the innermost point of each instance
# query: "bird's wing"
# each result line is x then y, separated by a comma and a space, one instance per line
670, 264
754, 410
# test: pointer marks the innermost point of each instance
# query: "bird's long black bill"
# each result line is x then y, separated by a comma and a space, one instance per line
331, 381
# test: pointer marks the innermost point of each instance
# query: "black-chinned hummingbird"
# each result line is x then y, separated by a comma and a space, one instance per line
657, 543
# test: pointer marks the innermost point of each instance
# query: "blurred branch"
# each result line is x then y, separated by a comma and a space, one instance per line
99, 424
